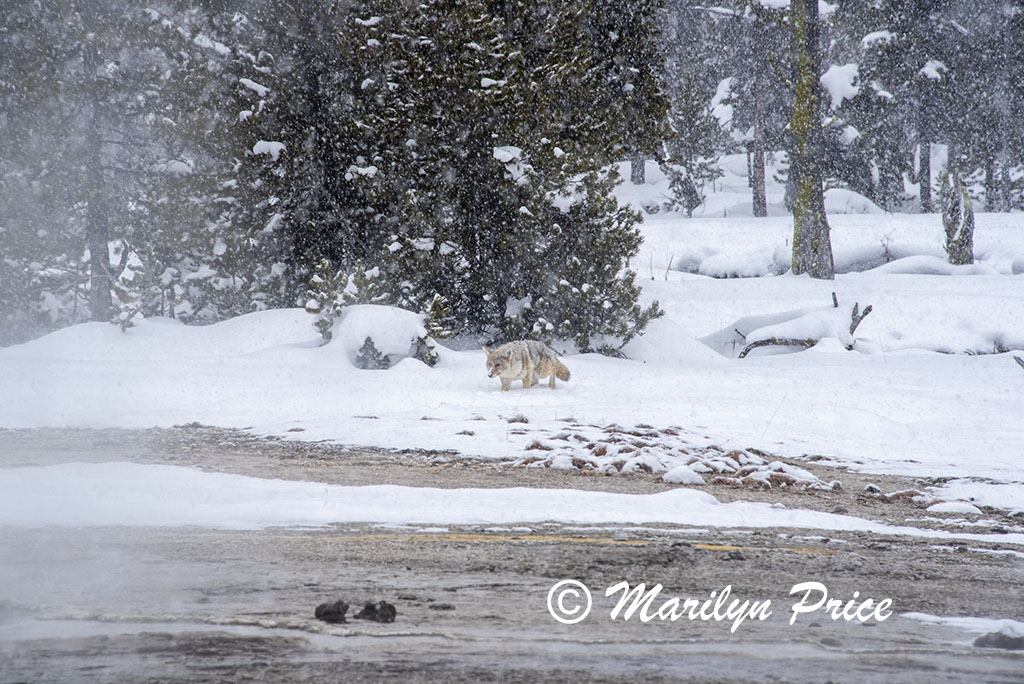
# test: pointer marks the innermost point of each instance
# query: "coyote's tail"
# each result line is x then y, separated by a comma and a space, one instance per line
561, 372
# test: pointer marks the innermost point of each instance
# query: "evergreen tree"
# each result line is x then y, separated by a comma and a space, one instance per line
756, 45
690, 156
487, 174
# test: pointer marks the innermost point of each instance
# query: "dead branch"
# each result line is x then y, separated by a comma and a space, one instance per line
780, 342
856, 318
1019, 360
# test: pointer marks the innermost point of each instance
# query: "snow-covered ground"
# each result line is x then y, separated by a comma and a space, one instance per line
112, 494
928, 389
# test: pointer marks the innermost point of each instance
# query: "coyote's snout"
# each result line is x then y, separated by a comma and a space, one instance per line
524, 360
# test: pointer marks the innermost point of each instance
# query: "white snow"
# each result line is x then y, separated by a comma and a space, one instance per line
933, 69
721, 111
839, 81
148, 495
954, 507
268, 147
682, 474
874, 38
393, 331
254, 86
174, 167
976, 625
507, 155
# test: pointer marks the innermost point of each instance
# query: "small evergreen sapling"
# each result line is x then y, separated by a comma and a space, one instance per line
323, 297
370, 358
330, 291
434, 313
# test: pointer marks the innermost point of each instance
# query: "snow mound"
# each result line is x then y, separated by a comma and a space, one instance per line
667, 343
394, 332
925, 264
843, 201
954, 507
157, 339
682, 474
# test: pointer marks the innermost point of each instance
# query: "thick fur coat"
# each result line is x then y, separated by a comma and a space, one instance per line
524, 360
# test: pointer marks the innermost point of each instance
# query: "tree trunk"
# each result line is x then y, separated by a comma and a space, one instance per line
924, 176
760, 201
636, 169
96, 230
991, 193
812, 245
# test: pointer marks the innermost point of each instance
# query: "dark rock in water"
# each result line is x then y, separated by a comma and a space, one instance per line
1000, 640
381, 611
332, 612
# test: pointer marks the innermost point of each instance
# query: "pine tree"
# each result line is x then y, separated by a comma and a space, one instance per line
755, 46
624, 39
690, 157
486, 172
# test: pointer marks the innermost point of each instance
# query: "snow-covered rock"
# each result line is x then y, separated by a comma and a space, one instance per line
682, 474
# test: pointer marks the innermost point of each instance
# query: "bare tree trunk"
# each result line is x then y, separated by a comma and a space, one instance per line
636, 169
1005, 121
757, 166
924, 176
812, 245
991, 198
96, 232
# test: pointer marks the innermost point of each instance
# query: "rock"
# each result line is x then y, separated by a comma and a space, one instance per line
381, 611
331, 612
1000, 640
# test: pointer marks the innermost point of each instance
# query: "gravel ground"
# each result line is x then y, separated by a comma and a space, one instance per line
175, 605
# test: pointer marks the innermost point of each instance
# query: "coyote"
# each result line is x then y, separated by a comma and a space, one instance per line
524, 360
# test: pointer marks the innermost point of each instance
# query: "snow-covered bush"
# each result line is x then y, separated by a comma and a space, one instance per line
378, 337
